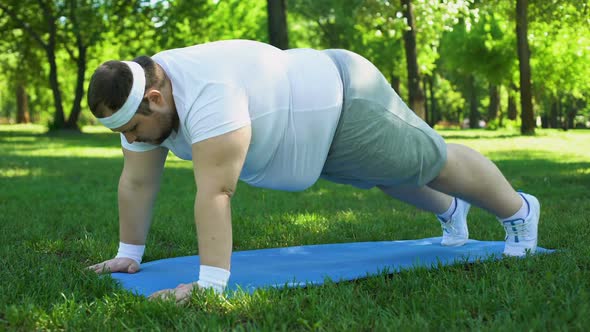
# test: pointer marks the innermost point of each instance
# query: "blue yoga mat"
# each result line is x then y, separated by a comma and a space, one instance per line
312, 264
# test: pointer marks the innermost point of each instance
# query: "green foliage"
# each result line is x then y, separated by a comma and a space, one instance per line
561, 55
180, 23
22, 62
382, 29
334, 20
450, 100
457, 41
480, 45
238, 19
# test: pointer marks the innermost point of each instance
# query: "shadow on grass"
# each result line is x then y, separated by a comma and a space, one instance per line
65, 213
447, 135
70, 138
59, 214
324, 213
522, 168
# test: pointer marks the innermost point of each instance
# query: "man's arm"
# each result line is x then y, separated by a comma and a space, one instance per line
218, 162
138, 187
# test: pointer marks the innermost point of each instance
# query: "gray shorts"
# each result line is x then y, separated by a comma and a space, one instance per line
379, 140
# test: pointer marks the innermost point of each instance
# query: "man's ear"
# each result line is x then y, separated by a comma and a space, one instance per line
155, 97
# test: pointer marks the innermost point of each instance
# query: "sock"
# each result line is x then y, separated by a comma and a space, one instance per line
446, 216
522, 213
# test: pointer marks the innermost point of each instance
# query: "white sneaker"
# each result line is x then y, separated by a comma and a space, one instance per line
455, 232
521, 234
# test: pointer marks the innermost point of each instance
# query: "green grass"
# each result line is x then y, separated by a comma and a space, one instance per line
58, 214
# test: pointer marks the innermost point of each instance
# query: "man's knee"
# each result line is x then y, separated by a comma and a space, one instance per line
446, 169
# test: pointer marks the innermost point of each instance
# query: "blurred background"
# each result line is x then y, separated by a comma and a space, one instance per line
457, 63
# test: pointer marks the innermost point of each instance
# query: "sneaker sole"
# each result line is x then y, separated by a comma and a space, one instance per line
454, 243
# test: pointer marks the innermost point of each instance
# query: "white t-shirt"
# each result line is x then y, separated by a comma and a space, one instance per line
292, 99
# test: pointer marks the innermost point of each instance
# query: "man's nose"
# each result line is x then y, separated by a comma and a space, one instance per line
130, 137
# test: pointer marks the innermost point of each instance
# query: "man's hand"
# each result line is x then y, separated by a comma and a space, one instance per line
181, 294
121, 264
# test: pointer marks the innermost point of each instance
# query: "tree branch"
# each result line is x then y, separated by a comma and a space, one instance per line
24, 25
69, 51
49, 19
75, 30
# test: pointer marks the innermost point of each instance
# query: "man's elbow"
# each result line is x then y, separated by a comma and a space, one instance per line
224, 191
228, 191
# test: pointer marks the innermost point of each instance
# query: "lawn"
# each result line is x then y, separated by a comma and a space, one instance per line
58, 214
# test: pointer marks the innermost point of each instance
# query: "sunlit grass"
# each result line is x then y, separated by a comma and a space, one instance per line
550, 143
18, 171
58, 214
20, 128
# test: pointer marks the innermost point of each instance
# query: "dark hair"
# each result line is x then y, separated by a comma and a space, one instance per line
111, 83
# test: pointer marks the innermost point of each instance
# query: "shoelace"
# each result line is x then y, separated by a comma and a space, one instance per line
447, 226
516, 231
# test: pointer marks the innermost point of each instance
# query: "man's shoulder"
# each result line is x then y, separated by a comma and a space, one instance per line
215, 46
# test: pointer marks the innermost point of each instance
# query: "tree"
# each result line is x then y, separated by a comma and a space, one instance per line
416, 94
180, 23
22, 100
86, 24
478, 53
277, 24
237, 19
512, 111
18, 59
526, 99
494, 105
560, 60
381, 39
74, 26
43, 29
333, 23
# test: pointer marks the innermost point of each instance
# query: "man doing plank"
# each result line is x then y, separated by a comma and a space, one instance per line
281, 120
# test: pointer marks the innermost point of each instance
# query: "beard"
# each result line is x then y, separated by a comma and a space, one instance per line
166, 127
165, 134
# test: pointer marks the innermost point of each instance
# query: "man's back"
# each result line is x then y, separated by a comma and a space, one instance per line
291, 98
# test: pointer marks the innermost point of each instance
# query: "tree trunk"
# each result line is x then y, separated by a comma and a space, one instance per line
76, 108
494, 106
527, 114
547, 104
58, 117
500, 117
416, 93
427, 115
566, 119
553, 113
571, 112
473, 109
395, 83
512, 110
433, 107
22, 105
277, 23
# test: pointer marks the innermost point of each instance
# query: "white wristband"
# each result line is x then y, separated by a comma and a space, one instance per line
213, 277
132, 251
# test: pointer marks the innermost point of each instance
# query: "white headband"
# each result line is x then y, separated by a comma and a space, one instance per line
126, 112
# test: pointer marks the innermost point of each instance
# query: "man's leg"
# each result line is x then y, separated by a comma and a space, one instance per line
451, 212
424, 198
469, 175
474, 178
381, 141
